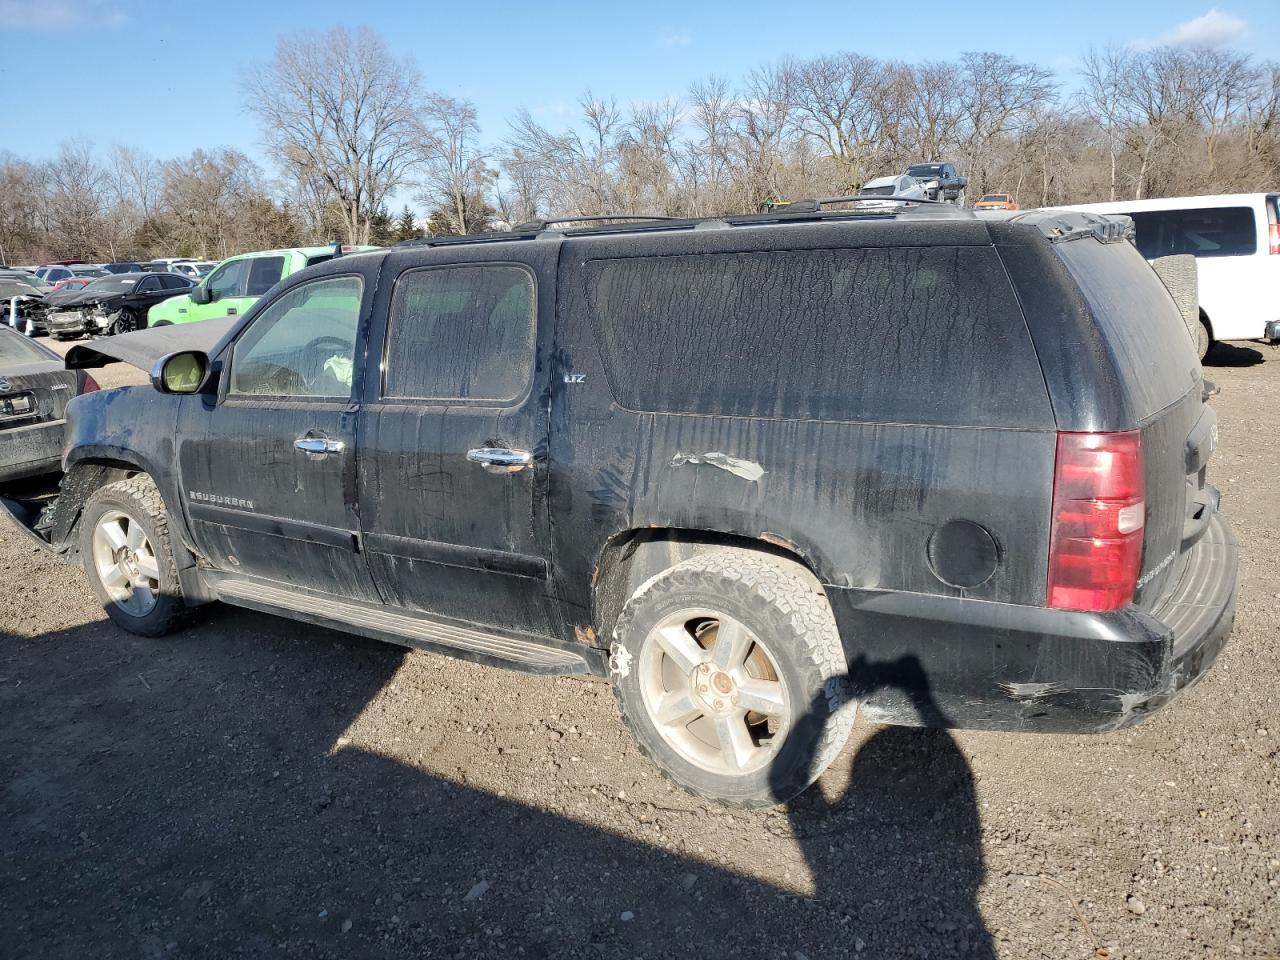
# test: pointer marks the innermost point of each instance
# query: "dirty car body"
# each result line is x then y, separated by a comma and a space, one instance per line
511, 439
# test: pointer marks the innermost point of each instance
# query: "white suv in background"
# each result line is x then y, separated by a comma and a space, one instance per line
1235, 238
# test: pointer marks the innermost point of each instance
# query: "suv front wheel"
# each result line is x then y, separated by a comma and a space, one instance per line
124, 545
730, 675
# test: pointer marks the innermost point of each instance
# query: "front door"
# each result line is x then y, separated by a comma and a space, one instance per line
453, 440
269, 469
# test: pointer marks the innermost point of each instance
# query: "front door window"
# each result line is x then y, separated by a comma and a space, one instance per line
228, 280
302, 345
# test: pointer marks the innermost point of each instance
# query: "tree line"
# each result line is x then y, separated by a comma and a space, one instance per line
348, 125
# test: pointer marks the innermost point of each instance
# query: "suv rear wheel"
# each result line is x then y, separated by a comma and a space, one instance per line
730, 674
124, 543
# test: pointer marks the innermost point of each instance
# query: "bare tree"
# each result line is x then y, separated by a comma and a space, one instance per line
20, 186
75, 199
836, 102
205, 195
338, 109
457, 176
1000, 93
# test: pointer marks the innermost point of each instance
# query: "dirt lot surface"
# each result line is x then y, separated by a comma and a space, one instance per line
255, 788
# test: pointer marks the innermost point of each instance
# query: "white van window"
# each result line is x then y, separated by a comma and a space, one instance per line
1208, 232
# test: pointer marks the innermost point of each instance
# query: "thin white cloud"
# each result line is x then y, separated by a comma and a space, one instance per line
674, 38
1213, 29
43, 15
560, 108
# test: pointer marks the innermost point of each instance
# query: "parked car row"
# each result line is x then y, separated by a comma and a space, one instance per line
100, 300
936, 182
111, 305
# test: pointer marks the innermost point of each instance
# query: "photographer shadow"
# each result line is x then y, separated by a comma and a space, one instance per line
900, 850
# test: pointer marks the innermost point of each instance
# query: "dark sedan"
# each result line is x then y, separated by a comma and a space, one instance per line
35, 387
113, 305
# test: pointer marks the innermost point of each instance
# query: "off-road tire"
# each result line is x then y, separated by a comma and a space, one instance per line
777, 599
1204, 340
139, 498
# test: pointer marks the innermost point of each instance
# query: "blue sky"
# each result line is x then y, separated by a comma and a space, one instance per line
79, 66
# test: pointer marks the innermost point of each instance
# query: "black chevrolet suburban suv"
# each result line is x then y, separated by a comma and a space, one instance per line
757, 471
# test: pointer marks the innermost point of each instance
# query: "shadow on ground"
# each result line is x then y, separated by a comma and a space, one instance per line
190, 798
1233, 355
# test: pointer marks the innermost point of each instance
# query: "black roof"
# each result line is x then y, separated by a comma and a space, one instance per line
925, 216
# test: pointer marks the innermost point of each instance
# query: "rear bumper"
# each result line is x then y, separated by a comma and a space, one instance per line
31, 451
954, 662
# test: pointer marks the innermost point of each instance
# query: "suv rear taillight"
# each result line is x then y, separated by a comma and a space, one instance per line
1095, 545
90, 384
1273, 232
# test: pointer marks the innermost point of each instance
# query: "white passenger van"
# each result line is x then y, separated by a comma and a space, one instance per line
1235, 238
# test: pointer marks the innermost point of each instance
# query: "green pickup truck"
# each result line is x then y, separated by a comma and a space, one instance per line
237, 282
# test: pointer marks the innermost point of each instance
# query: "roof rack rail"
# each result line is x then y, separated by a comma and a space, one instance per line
493, 236
540, 225
797, 211
817, 203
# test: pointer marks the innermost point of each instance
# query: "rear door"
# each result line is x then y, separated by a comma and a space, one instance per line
269, 469
264, 273
453, 437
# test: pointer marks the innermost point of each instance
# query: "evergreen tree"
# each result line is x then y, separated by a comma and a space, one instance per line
407, 225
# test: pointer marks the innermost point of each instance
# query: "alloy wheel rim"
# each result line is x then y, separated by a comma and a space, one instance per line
126, 563
713, 691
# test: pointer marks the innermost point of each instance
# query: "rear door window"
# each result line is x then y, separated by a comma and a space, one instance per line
1207, 232
264, 273
461, 333
901, 334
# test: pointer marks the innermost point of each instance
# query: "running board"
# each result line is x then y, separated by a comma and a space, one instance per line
518, 652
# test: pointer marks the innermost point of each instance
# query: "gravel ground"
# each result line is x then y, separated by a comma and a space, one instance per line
255, 788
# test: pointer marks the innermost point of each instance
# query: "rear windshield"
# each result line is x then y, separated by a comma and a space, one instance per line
15, 349
1208, 232
1138, 318
900, 334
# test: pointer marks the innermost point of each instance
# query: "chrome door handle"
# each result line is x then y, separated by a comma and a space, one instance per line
500, 459
319, 445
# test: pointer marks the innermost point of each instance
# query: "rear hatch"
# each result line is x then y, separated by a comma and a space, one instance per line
1164, 393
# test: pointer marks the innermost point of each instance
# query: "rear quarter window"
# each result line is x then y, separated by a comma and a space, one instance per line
1138, 318
902, 334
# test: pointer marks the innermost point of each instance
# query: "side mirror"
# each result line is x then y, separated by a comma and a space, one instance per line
201, 294
183, 372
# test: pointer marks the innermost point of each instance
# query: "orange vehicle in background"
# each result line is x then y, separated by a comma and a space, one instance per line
997, 201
